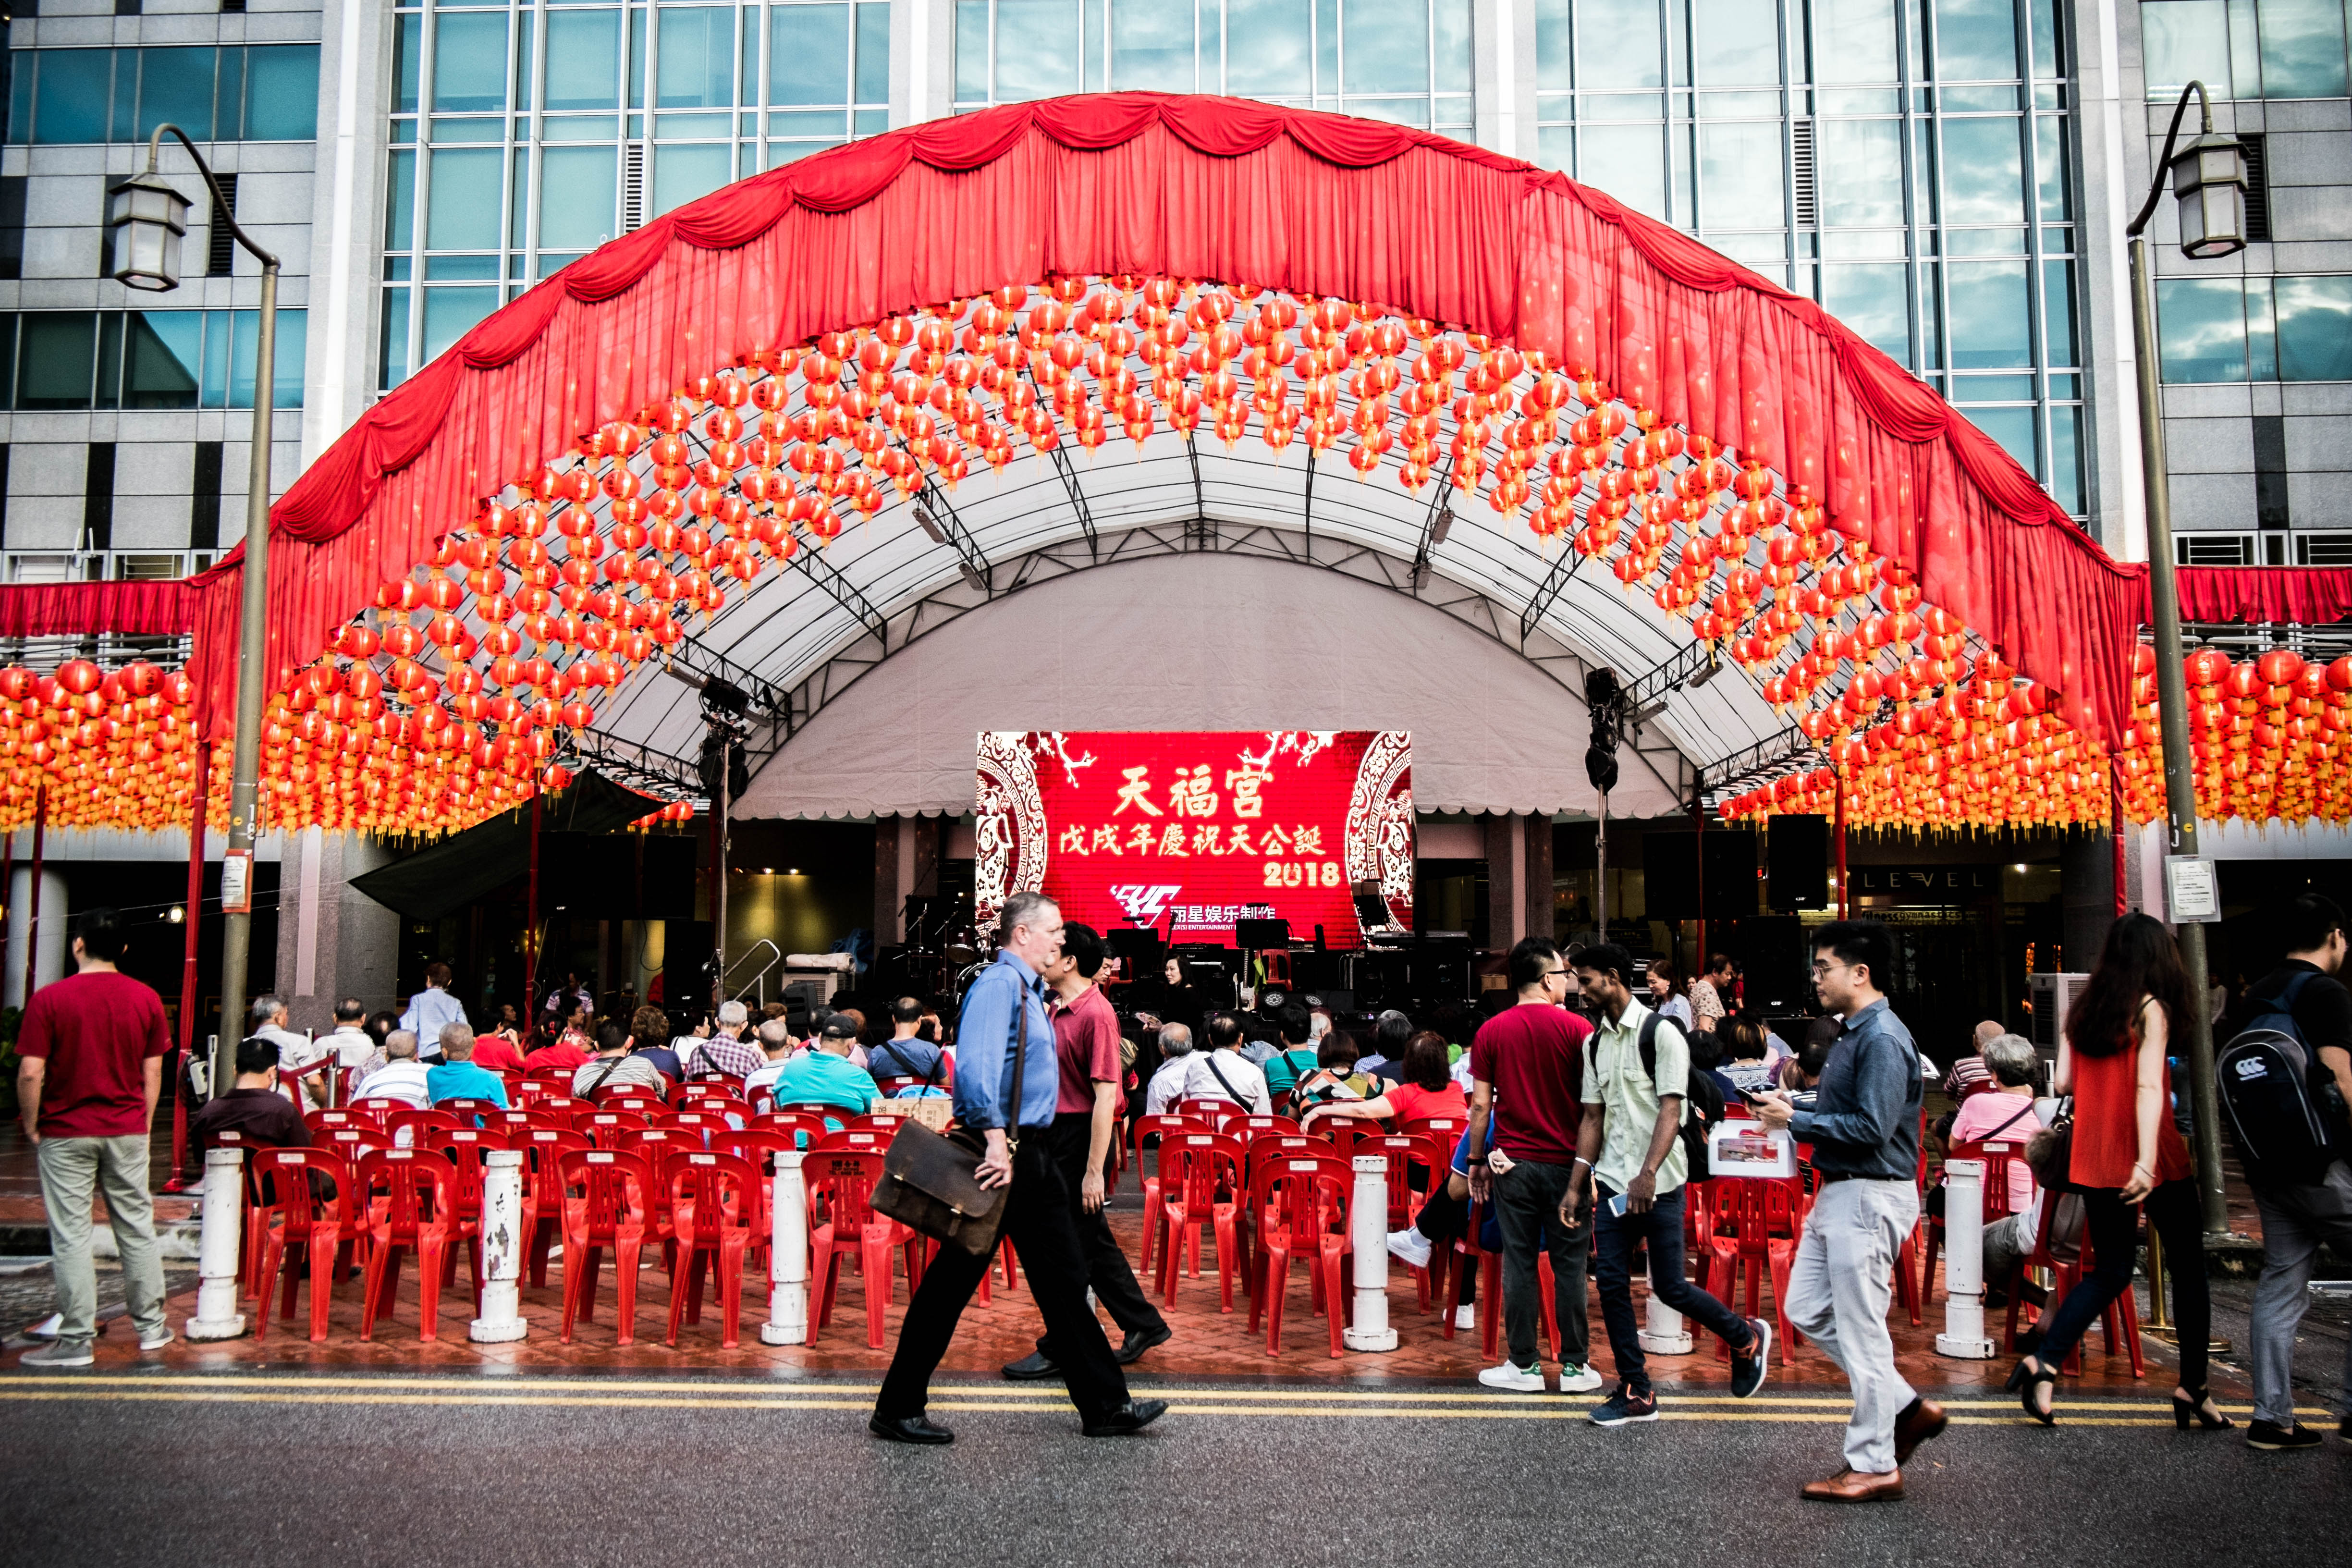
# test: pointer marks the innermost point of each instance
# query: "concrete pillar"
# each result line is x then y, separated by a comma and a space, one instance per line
1539, 878
2086, 866
890, 841
50, 960
346, 227
1503, 74
334, 941
926, 834
922, 61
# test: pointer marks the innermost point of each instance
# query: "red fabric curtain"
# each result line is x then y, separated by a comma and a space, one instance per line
66, 609
1217, 188
2308, 595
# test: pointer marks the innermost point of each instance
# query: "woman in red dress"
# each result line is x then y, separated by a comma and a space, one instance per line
2127, 1153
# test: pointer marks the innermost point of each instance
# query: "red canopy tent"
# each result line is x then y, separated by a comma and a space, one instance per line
701, 398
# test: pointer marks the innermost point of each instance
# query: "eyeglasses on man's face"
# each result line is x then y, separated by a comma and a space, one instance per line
1826, 965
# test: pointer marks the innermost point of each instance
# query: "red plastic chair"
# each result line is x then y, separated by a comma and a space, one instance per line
878, 1122
2063, 1276
409, 1195
1248, 1129
608, 1129
1906, 1257
1212, 1112
808, 1127
630, 1098
1997, 1156
701, 1123
564, 1108
855, 1138
1205, 1188
607, 1195
716, 1201
1161, 1127
538, 1086
307, 1225
379, 1108
1305, 1201
1281, 1146
542, 1190
762, 1099
469, 1112
841, 1185
317, 1121
1446, 1130
1405, 1151
1758, 1222
405, 1125
464, 1148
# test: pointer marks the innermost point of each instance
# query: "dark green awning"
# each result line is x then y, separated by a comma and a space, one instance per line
485, 856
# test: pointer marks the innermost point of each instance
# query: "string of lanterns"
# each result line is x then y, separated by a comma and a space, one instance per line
451, 698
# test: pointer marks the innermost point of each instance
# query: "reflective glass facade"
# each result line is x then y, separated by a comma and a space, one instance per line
525, 135
1907, 165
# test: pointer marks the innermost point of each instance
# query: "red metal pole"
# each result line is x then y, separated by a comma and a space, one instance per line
1842, 906
33, 901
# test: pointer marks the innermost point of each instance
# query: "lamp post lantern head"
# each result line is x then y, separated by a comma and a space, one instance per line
145, 219
2208, 179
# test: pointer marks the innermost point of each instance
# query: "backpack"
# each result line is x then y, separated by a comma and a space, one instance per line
1702, 1102
2288, 1131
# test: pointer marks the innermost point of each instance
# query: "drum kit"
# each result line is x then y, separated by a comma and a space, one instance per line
943, 953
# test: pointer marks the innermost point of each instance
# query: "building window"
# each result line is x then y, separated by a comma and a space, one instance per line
526, 136
70, 360
2244, 49
1401, 60
269, 92
2254, 329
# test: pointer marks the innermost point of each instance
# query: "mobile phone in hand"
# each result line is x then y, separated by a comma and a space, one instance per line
1617, 1205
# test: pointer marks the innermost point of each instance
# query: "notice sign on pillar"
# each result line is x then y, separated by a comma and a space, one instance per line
236, 882
2192, 890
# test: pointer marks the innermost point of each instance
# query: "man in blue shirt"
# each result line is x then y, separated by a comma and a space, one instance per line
455, 1075
1864, 1129
1005, 1018
431, 1008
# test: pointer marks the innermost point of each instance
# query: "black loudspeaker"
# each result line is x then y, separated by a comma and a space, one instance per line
1670, 873
1257, 936
686, 969
1797, 861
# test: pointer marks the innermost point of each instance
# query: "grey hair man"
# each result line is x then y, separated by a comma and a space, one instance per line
776, 1043
295, 1052
726, 1051
402, 1076
1167, 1085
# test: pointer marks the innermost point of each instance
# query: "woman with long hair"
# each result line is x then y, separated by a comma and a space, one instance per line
2126, 1152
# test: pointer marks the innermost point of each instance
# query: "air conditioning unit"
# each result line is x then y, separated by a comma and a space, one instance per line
2052, 996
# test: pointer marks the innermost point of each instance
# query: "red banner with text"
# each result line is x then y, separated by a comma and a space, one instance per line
1202, 828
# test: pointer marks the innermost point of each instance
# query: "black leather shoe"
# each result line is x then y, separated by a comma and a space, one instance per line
1130, 1418
908, 1429
1030, 1368
1132, 1349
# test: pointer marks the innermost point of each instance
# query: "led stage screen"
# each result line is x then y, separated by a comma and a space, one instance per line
1205, 829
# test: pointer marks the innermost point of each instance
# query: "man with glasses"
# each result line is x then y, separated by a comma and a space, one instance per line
1527, 1069
1865, 1130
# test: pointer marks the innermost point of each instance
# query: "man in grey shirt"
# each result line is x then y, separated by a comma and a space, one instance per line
1864, 1126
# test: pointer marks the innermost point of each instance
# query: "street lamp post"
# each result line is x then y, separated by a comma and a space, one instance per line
146, 219
2208, 177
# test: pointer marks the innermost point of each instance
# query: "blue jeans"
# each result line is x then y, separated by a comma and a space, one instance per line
1662, 1228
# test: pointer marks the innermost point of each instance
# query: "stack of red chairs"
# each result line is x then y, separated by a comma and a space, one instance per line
542, 1190
1302, 1202
310, 1225
408, 1194
714, 1201
1756, 1223
607, 1195
464, 1148
1202, 1185
842, 1220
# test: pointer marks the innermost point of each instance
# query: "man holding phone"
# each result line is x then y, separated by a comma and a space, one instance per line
1636, 1070
1864, 1125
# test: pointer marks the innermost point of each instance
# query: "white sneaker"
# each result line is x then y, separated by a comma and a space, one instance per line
157, 1340
1575, 1379
1410, 1246
59, 1353
1465, 1317
1514, 1379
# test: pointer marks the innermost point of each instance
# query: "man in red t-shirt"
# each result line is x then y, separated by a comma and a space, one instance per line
92, 1046
1527, 1066
1085, 1119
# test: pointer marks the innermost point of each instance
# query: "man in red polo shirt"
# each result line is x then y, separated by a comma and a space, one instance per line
1085, 1119
92, 1046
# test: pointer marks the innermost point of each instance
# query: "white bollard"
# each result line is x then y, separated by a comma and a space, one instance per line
1370, 1213
788, 1259
1663, 1331
501, 1319
1964, 1328
220, 1255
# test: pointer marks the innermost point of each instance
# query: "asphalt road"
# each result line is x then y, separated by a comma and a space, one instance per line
355, 1470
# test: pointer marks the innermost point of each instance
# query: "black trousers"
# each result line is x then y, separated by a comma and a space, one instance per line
1108, 1270
2173, 1213
1445, 1219
1037, 1223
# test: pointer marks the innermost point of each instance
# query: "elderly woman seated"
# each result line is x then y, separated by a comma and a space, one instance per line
2005, 1114
1424, 1088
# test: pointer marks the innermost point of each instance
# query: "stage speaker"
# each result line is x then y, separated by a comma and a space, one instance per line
686, 979
1797, 862
1671, 874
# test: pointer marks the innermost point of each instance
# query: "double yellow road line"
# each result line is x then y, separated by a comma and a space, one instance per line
1353, 1403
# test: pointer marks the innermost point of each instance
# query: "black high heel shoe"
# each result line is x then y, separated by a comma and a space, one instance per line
2182, 1409
2023, 1381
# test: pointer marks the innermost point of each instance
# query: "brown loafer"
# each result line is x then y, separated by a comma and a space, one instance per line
1852, 1486
1921, 1419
